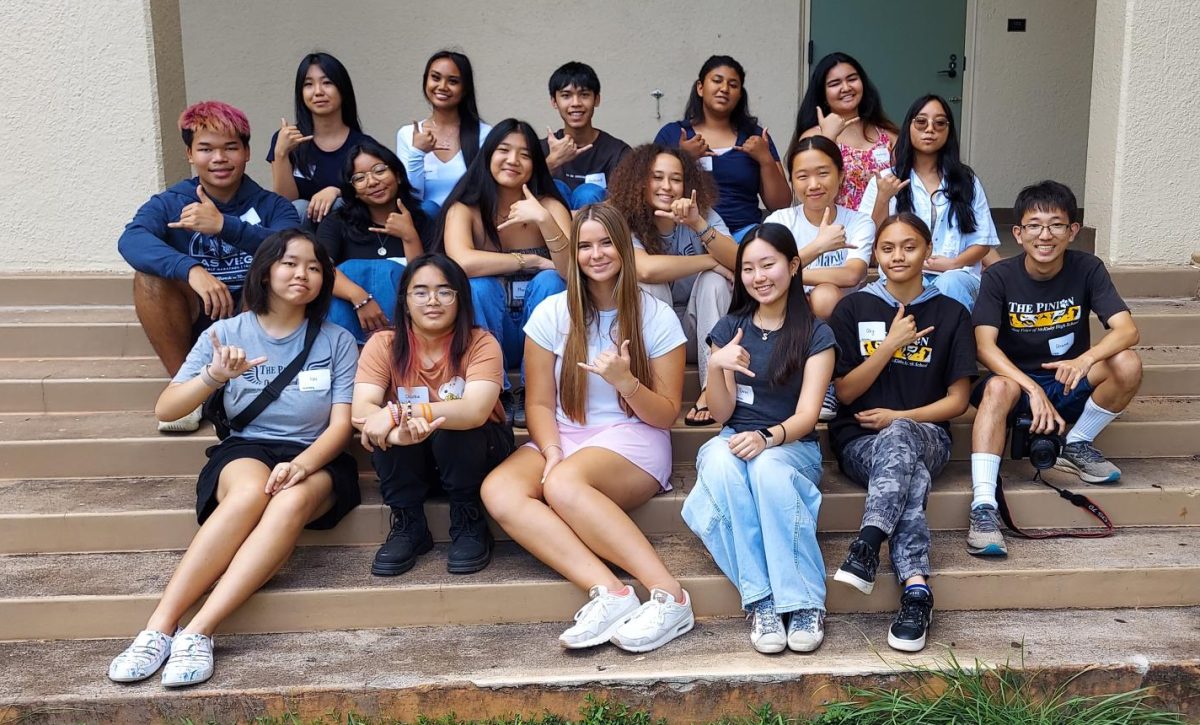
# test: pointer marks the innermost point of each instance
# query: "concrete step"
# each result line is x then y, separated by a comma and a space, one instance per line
87, 445
47, 596
132, 514
477, 672
113, 331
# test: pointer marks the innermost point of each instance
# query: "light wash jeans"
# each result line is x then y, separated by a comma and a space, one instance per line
379, 277
957, 284
758, 519
508, 325
582, 195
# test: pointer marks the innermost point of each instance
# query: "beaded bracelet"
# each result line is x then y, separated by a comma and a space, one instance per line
394, 411
359, 305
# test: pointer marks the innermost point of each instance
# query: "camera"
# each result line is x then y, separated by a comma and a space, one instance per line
1041, 449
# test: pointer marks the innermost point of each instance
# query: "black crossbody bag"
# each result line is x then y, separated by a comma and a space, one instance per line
214, 407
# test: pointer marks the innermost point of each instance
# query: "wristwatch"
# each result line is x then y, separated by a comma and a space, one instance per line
766, 436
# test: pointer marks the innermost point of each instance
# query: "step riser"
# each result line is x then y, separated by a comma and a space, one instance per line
368, 524
307, 611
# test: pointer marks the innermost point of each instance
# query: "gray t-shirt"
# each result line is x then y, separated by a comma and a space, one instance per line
302, 412
683, 241
760, 403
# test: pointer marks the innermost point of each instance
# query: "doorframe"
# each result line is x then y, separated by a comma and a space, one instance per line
969, 37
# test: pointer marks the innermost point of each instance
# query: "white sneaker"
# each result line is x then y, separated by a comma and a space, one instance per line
596, 621
142, 658
187, 424
766, 628
191, 661
658, 621
806, 630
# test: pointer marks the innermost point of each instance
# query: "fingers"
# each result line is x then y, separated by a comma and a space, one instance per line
507, 223
226, 301
383, 230
365, 440
581, 149
925, 332
743, 370
212, 336
827, 217
903, 184
298, 474
302, 139
256, 362
273, 479
853, 120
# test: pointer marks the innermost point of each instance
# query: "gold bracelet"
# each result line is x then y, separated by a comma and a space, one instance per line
633, 392
520, 259
555, 239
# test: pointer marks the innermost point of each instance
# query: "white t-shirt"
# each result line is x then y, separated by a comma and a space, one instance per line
549, 325
431, 178
860, 233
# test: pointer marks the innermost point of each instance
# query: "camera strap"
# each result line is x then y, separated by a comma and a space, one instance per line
1076, 499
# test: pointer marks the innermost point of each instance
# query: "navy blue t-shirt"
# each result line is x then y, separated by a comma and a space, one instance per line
324, 167
736, 173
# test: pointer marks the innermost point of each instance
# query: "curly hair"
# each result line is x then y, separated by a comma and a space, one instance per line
627, 190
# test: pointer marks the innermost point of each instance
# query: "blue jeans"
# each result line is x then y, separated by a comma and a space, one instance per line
739, 234
379, 277
508, 325
758, 519
957, 284
582, 195
431, 209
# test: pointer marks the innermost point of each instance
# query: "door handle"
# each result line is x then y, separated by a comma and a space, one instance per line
951, 67
955, 99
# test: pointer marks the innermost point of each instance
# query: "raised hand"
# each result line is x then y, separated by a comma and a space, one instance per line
412, 431
1069, 372
288, 139
200, 216
284, 476
696, 145
613, 366
887, 184
758, 148
214, 294
562, 150
833, 125
525, 211
732, 357
229, 361
322, 203
903, 331
399, 223
423, 139
831, 236
683, 211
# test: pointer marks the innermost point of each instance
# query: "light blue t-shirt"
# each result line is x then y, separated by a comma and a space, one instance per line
302, 411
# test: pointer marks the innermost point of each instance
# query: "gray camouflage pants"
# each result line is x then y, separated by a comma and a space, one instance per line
897, 466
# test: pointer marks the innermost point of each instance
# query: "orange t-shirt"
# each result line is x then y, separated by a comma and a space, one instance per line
484, 362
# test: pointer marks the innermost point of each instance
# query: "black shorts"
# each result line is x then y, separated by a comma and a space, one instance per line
1069, 405
343, 470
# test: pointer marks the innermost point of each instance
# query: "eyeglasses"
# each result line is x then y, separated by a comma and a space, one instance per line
444, 296
379, 171
939, 124
1057, 229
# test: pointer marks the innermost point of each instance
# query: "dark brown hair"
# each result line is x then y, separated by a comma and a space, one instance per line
631, 178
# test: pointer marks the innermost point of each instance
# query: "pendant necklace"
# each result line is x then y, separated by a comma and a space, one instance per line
765, 331
382, 251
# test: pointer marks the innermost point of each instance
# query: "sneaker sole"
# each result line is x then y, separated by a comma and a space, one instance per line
188, 683
1066, 466
602, 637
135, 679
470, 567
678, 630
397, 569
770, 648
909, 645
991, 550
862, 585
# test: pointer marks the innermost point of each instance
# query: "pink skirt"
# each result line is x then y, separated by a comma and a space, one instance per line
643, 445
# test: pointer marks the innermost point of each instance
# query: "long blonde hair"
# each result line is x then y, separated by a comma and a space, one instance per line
583, 313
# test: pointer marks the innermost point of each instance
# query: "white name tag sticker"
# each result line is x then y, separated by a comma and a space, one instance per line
705, 162
599, 179
873, 331
417, 394
744, 394
518, 288
1060, 345
313, 381
881, 156
251, 217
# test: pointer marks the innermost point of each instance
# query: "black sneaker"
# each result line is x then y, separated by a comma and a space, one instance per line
408, 539
470, 540
912, 622
518, 403
859, 568
506, 402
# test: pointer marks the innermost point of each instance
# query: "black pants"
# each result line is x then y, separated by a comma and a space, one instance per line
458, 459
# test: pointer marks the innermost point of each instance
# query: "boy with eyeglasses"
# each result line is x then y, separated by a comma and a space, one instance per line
1032, 332
190, 246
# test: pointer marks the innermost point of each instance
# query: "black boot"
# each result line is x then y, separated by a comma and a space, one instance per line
518, 416
470, 540
408, 539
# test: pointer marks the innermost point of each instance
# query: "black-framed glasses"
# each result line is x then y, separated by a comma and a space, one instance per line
445, 296
939, 124
1058, 229
379, 171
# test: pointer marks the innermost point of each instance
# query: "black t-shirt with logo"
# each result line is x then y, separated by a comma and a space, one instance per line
1047, 320
594, 166
917, 375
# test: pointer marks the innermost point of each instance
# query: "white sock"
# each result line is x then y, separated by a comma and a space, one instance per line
1089, 425
985, 469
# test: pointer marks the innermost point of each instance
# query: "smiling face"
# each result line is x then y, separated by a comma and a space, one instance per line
444, 85
374, 181
930, 128
815, 179
665, 184
512, 163
1046, 247
720, 90
220, 161
319, 93
575, 105
295, 278
597, 256
901, 251
437, 315
843, 89
766, 273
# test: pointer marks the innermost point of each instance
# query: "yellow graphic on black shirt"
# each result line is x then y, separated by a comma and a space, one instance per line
1049, 318
914, 353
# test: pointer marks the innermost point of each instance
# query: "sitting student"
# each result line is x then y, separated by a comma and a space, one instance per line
1032, 333
682, 248
605, 364
503, 224
380, 225
307, 157
756, 500
843, 105
717, 129
427, 398
581, 157
906, 357
932, 183
285, 471
437, 151
192, 244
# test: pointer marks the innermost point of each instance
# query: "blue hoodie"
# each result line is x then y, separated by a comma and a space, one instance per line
150, 246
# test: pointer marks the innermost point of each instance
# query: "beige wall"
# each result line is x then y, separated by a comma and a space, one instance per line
634, 46
1030, 94
1143, 159
80, 126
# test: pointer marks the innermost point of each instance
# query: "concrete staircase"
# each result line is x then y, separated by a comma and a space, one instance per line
94, 506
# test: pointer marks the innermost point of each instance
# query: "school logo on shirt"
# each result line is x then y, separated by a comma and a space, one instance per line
1043, 316
918, 354
452, 389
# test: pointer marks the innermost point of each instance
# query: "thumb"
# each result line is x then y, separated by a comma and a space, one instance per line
550, 135
682, 135
216, 341
202, 194
625, 349
400, 207
826, 217
693, 197
437, 422
820, 115
764, 134
528, 193
737, 337
283, 123
899, 313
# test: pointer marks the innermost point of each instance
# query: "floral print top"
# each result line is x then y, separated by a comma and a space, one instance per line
859, 167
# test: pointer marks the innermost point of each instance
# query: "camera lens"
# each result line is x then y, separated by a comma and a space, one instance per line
1043, 452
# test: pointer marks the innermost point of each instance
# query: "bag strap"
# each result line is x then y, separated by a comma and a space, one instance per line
1076, 499
272, 392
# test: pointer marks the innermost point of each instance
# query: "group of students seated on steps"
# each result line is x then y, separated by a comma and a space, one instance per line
473, 251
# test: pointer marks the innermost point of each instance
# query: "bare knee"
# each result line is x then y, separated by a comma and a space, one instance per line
295, 506
823, 298
502, 495
1126, 370
562, 489
999, 394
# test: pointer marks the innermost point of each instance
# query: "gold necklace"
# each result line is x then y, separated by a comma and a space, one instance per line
765, 331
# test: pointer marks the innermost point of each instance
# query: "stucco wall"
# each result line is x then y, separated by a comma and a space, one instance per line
1143, 161
1030, 95
80, 130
